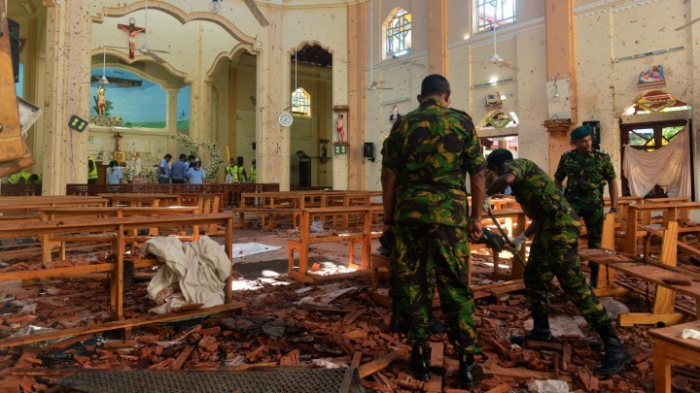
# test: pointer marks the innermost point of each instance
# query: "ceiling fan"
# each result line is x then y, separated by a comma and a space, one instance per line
495, 58
145, 49
373, 85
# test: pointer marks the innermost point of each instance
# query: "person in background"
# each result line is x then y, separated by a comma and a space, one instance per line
253, 173
230, 171
191, 159
114, 173
586, 171
196, 175
34, 179
92, 170
164, 171
554, 253
18, 178
179, 170
239, 173
425, 163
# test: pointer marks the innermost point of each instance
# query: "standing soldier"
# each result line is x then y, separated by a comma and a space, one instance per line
426, 159
587, 171
554, 252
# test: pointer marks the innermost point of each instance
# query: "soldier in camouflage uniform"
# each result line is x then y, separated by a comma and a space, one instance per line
587, 170
554, 252
425, 161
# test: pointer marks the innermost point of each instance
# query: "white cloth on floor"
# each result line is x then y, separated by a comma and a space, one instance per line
669, 167
198, 269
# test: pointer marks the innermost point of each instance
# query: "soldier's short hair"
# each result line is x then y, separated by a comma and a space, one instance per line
435, 84
498, 157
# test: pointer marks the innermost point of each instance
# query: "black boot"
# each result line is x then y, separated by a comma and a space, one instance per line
540, 331
616, 356
419, 362
470, 372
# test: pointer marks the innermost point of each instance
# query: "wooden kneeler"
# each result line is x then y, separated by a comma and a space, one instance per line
664, 299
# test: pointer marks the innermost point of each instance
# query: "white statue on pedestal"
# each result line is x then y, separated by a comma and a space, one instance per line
137, 165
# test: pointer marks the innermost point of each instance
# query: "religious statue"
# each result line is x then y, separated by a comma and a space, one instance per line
137, 166
339, 127
132, 29
101, 101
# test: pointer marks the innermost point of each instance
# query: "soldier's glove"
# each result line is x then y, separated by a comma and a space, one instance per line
487, 203
387, 243
517, 242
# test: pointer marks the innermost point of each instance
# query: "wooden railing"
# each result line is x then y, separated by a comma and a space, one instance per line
231, 192
20, 190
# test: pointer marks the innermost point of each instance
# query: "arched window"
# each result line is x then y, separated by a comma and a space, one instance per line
494, 13
301, 103
398, 34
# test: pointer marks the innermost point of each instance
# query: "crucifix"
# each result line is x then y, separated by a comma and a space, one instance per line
132, 29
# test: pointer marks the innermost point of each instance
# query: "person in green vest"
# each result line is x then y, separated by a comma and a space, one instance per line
92, 170
253, 173
18, 178
239, 173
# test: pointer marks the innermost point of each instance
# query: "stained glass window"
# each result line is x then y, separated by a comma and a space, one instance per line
494, 13
398, 34
301, 103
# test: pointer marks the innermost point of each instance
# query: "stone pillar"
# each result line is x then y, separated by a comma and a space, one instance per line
559, 29
274, 94
68, 36
437, 38
171, 117
353, 172
695, 64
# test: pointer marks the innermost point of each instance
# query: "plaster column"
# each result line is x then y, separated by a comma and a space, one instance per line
559, 26
171, 120
68, 36
695, 64
349, 171
437, 38
273, 95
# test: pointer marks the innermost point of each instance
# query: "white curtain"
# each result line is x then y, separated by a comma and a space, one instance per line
669, 167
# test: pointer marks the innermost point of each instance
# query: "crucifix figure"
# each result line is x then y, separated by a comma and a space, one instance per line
117, 137
132, 29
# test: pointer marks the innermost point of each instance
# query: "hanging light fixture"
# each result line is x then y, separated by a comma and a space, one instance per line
215, 6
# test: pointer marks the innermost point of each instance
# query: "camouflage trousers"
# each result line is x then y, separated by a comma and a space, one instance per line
594, 218
445, 249
554, 252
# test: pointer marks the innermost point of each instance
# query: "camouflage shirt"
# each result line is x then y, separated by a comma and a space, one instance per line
536, 193
586, 176
431, 150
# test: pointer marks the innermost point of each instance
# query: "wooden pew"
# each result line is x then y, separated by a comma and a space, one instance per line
301, 243
671, 212
120, 226
664, 273
670, 349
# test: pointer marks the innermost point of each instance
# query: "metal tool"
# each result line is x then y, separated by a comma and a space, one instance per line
505, 236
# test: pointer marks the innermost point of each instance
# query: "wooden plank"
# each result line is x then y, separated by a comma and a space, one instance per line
631, 319
182, 357
664, 299
122, 324
379, 364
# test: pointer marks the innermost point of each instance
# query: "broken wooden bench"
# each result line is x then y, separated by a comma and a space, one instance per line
301, 242
119, 226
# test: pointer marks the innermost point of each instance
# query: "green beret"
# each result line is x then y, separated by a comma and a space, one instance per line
580, 132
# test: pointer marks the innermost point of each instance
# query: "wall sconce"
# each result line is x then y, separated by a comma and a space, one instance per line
368, 151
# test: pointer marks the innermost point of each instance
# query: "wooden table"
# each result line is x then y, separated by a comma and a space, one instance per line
669, 350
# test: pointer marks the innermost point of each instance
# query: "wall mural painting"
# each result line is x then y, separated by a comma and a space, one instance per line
128, 100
